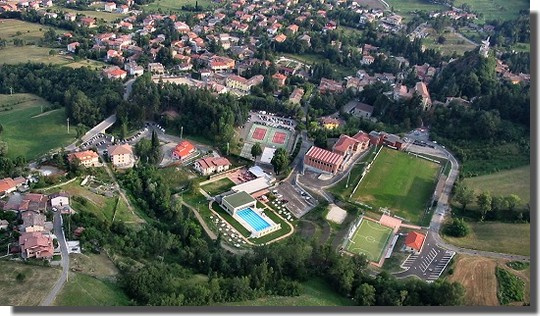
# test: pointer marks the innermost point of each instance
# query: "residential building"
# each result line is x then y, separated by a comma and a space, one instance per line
361, 110
209, 165
32, 222
114, 72
29, 202
156, 68
59, 200
36, 245
383, 138
8, 185
280, 79
330, 122
367, 60
322, 160
121, 155
296, 96
183, 150
4, 224
72, 47
110, 6
422, 90
87, 158
329, 85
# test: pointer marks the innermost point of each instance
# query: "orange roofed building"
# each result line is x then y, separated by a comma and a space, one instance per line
323, 160
87, 158
121, 156
183, 150
414, 242
36, 245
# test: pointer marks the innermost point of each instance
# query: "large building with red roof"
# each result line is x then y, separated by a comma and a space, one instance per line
87, 158
323, 160
36, 245
183, 150
414, 242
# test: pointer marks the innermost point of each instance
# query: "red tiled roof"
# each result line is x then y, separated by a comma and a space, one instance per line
83, 155
213, 161
324, 155
415, 240
361, 136
120, 150
344, 142
183, 149
7, 184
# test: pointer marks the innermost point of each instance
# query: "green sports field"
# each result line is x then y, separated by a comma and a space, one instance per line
401, 182
370, 239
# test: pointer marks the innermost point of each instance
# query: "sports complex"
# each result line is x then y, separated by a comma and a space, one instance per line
270, 138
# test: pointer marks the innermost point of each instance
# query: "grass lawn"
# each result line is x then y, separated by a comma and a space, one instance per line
453, 43
106, 16
514, 181
31, 53
370, 239
496, 236
85, 290
31, 136
176, 177
315, 293
340, 189
495, 9
406, 7
311, 59
219, 186
36, 285
401, 182
175, 5
29, 32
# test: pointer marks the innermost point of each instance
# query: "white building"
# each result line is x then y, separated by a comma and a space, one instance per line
121, 156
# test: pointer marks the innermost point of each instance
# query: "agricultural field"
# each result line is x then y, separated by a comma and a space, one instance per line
495, 9
403, 183
29, 132
496, 236
477, 275
11, 29
454, 43
515, 181
315, 293
407, 7
219, 186
175, 5
106, 16
36, 283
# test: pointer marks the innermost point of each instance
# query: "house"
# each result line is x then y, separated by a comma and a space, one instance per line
330, 122
8, 185
4, 224
280, 79
322, 160
111, 53
59, 200
70, 17
87, 158
32, 222
110, 6
280, 38
183, 150
156, 68
123, 9
121, 155
329, 85
414, 242
237, 82
292, 29
347, 145
182, 27
72, 47
367, 60
306, 38
133, 69
211, 165
361, 110
114, 72
29, 202
88, 22
383, 138
296, 96
36, 245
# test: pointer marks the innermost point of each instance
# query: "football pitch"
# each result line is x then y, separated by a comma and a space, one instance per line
401, 182
370, 239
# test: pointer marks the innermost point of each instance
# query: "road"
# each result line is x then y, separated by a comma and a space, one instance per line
59, 232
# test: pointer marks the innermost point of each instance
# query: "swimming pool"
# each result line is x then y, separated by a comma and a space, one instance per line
253, 219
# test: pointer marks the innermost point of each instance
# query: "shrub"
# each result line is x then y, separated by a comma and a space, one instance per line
518, 265
457, 228
510, 287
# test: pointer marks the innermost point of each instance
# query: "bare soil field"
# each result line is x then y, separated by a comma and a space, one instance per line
477, 275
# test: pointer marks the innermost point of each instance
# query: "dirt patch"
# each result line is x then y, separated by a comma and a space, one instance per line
99, 266
336, 214
477, 275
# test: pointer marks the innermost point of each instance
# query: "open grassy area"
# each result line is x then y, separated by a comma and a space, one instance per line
454, 43
401, 182
495, 9
340, 189
370, 239
31, 136
514, 181
219, 186
106, 16
85, 290
11, 29
407, 7
311, 59
175, 5
315, 293
31, 53
37, 283
497, 237
177, 177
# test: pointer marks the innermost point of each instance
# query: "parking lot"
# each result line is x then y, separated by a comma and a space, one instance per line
429, 264
298, 202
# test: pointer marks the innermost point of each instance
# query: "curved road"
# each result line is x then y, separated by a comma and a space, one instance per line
59, 232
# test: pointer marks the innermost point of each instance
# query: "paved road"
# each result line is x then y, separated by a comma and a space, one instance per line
59, 232
128, 87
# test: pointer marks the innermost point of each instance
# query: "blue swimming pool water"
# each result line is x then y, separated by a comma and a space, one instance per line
253, 219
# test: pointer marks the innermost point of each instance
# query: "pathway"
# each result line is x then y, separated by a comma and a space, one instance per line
121, 191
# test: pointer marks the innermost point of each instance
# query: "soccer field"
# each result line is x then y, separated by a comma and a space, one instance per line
370, 239
401, 182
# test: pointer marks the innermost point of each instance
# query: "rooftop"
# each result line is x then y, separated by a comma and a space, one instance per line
238, 199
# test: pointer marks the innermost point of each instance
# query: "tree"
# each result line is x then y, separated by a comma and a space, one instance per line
3, 148
484, 203
256, 150
52, 52
464, 195
365, 295
457, 228
280, 160
512, 201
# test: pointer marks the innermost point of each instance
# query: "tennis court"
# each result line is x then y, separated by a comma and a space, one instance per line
268, 136
279, 138
370, 239
258, 133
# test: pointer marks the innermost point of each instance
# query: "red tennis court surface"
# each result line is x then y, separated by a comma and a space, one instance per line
258, 133
279, 138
